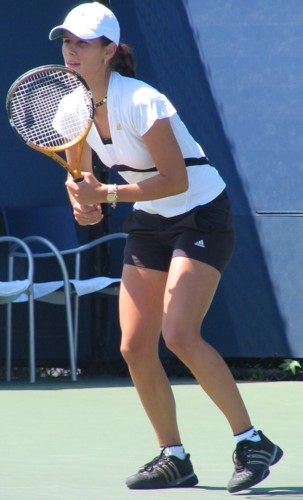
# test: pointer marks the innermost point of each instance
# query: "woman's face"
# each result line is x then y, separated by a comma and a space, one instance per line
84, 56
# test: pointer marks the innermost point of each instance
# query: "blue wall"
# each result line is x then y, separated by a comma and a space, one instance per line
29, 178
233, 70
253, 57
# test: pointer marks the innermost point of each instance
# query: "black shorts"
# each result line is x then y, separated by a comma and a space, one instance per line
205, 233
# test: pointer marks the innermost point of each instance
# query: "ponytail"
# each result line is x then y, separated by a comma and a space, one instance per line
123, 61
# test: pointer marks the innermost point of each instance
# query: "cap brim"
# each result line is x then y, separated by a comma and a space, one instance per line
56, 32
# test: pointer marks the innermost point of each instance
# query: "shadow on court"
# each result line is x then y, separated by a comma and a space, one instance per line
260, 493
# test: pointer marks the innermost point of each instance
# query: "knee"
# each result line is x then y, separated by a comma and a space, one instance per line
183, 340
178, 342
129, 351
134, 351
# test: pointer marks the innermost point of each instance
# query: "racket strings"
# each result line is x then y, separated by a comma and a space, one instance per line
51, 109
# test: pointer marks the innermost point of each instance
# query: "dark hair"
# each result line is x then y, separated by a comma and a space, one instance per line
123, 61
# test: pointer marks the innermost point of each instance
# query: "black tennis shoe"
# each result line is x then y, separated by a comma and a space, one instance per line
252, 461
164, 472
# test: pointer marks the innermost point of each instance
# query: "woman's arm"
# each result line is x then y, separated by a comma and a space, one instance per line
85, 214
85, 162
166, 155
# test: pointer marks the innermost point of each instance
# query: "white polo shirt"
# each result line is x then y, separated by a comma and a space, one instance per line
133, 107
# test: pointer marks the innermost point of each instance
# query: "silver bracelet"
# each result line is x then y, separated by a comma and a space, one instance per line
112, 194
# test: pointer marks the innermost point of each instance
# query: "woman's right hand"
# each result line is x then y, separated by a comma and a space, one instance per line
87, 215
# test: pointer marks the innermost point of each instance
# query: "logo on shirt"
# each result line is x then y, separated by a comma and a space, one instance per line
119, 126
200, 244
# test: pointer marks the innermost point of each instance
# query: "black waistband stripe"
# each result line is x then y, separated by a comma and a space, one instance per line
189, 162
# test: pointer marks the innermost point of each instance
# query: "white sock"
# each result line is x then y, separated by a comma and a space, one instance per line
250, 435
177, 451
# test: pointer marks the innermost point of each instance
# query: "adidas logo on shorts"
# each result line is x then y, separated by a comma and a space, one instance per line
200, 243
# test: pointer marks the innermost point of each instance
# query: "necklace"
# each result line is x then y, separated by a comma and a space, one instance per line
100, 103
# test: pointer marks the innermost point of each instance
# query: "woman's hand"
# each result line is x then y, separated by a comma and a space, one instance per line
88, 215
87, 192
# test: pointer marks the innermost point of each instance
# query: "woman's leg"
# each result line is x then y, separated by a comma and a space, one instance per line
186, 294
190, 288
141, 310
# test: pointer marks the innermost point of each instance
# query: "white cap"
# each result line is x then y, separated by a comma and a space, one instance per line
88, 21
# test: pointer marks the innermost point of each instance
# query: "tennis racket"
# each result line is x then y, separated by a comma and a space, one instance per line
51, 109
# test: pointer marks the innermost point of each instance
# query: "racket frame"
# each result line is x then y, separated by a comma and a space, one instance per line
53, 151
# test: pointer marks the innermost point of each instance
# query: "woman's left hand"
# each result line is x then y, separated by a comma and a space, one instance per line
87, 192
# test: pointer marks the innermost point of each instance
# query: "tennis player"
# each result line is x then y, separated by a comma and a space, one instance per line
180, 240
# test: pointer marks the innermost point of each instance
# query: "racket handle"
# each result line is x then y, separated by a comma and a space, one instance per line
78, 180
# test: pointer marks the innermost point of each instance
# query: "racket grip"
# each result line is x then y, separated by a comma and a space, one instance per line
78, 180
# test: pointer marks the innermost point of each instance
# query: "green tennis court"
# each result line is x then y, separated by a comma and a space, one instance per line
79, 441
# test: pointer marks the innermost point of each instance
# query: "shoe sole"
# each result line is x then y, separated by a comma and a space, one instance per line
183, 482
277, 455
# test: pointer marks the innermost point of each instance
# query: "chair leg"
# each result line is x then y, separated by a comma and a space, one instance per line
76, 325
71, 348
8, 342
32, 350
70, 333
